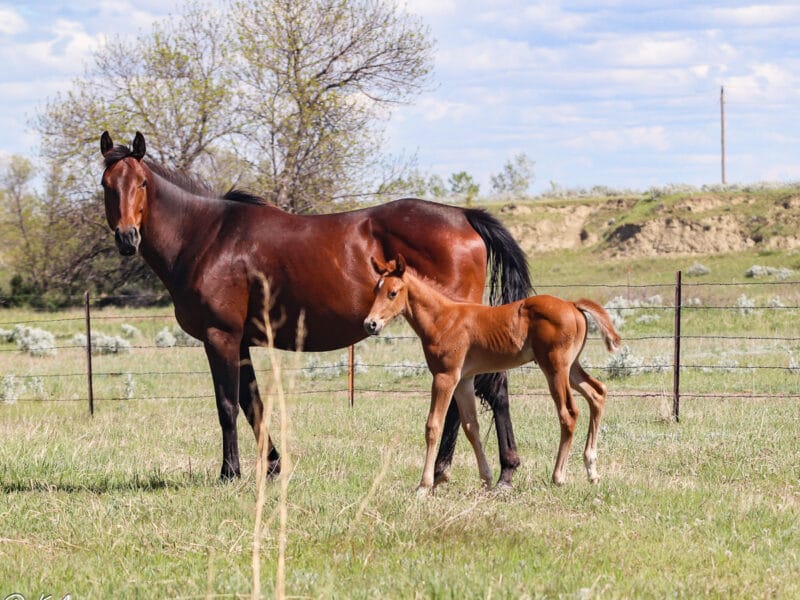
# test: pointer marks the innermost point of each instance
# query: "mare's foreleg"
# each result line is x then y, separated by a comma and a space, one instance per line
250, 401
467, 407
441, 392
595, 393
222, 350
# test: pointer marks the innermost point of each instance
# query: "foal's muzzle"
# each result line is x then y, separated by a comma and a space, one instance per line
127, 240
372, 326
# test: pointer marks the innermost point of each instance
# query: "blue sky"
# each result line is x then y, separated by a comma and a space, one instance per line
621, 93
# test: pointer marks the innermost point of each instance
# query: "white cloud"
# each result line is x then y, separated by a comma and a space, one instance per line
499, 55
11, 22
763, 81
757, 14
66, 48
543, 15
430, 8
607, 140
434, 109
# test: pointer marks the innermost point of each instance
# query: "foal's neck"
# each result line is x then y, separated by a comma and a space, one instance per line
426, 306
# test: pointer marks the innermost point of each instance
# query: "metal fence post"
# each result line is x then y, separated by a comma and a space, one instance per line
89, 352
676, 362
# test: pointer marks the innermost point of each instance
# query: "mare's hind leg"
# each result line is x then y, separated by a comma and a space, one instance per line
250, 401
558, 381
467, 408
595, 393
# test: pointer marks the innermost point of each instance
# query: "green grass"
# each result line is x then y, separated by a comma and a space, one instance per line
127, 505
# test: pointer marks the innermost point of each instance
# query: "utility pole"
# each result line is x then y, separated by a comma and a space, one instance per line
722, 130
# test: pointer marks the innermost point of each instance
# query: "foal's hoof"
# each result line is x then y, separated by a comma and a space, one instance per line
594, 480
422, 492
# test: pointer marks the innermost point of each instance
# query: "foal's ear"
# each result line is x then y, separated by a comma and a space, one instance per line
400, 265
106, 143
379, 267
139, 147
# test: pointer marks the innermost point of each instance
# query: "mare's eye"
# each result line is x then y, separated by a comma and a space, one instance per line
392, 295
144, 184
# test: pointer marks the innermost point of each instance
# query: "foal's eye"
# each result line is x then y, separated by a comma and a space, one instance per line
392, 295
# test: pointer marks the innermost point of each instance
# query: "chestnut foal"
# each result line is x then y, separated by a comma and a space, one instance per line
461, 340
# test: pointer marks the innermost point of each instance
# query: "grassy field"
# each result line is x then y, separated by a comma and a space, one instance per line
127, 503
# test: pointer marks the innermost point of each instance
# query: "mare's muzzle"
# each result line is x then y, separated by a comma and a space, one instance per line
127, 240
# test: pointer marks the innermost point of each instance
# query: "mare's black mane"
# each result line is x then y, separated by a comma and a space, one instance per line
183, 180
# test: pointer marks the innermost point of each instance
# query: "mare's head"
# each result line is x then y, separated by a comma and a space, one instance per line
391, 294
125, 182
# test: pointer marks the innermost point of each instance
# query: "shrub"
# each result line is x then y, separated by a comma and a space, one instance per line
623, 364
697, 270
164, 339
36, 342
129, 331
758, 271
10, 389
103, 344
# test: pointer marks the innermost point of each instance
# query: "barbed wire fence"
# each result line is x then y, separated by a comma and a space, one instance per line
42, 373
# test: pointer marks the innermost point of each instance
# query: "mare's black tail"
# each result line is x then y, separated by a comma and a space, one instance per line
509, 280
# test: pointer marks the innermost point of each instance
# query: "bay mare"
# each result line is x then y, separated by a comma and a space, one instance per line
462, 340
213, 254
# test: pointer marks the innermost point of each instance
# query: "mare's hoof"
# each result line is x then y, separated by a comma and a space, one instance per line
442, 477
503, 486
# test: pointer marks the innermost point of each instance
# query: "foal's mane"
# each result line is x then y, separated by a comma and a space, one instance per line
183, 180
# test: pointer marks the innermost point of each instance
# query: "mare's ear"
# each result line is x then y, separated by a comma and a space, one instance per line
380, 268
139, 147
106, 143
400, 265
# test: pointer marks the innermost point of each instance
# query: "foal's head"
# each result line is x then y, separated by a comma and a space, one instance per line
391, 294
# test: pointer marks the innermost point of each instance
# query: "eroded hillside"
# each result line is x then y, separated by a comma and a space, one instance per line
644, 227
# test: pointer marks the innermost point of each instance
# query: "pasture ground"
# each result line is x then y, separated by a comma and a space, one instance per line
127, 504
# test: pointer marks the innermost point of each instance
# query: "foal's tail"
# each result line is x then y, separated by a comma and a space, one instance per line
603, 320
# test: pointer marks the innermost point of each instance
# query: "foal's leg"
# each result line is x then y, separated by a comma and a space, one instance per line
595, 393
467, 407
441, 392
493, 387
558, 382
250, 401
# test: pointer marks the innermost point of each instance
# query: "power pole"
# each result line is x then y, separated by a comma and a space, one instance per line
722, 130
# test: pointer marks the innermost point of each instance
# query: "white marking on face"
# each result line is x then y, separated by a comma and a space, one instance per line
380, 283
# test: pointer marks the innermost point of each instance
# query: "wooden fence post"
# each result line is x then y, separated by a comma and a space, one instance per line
351, 352
676, 362
89, 352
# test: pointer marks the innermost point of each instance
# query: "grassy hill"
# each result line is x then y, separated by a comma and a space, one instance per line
614, 239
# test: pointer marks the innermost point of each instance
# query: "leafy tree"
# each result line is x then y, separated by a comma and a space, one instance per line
463, 184
515, 178
287, 97
53, 244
